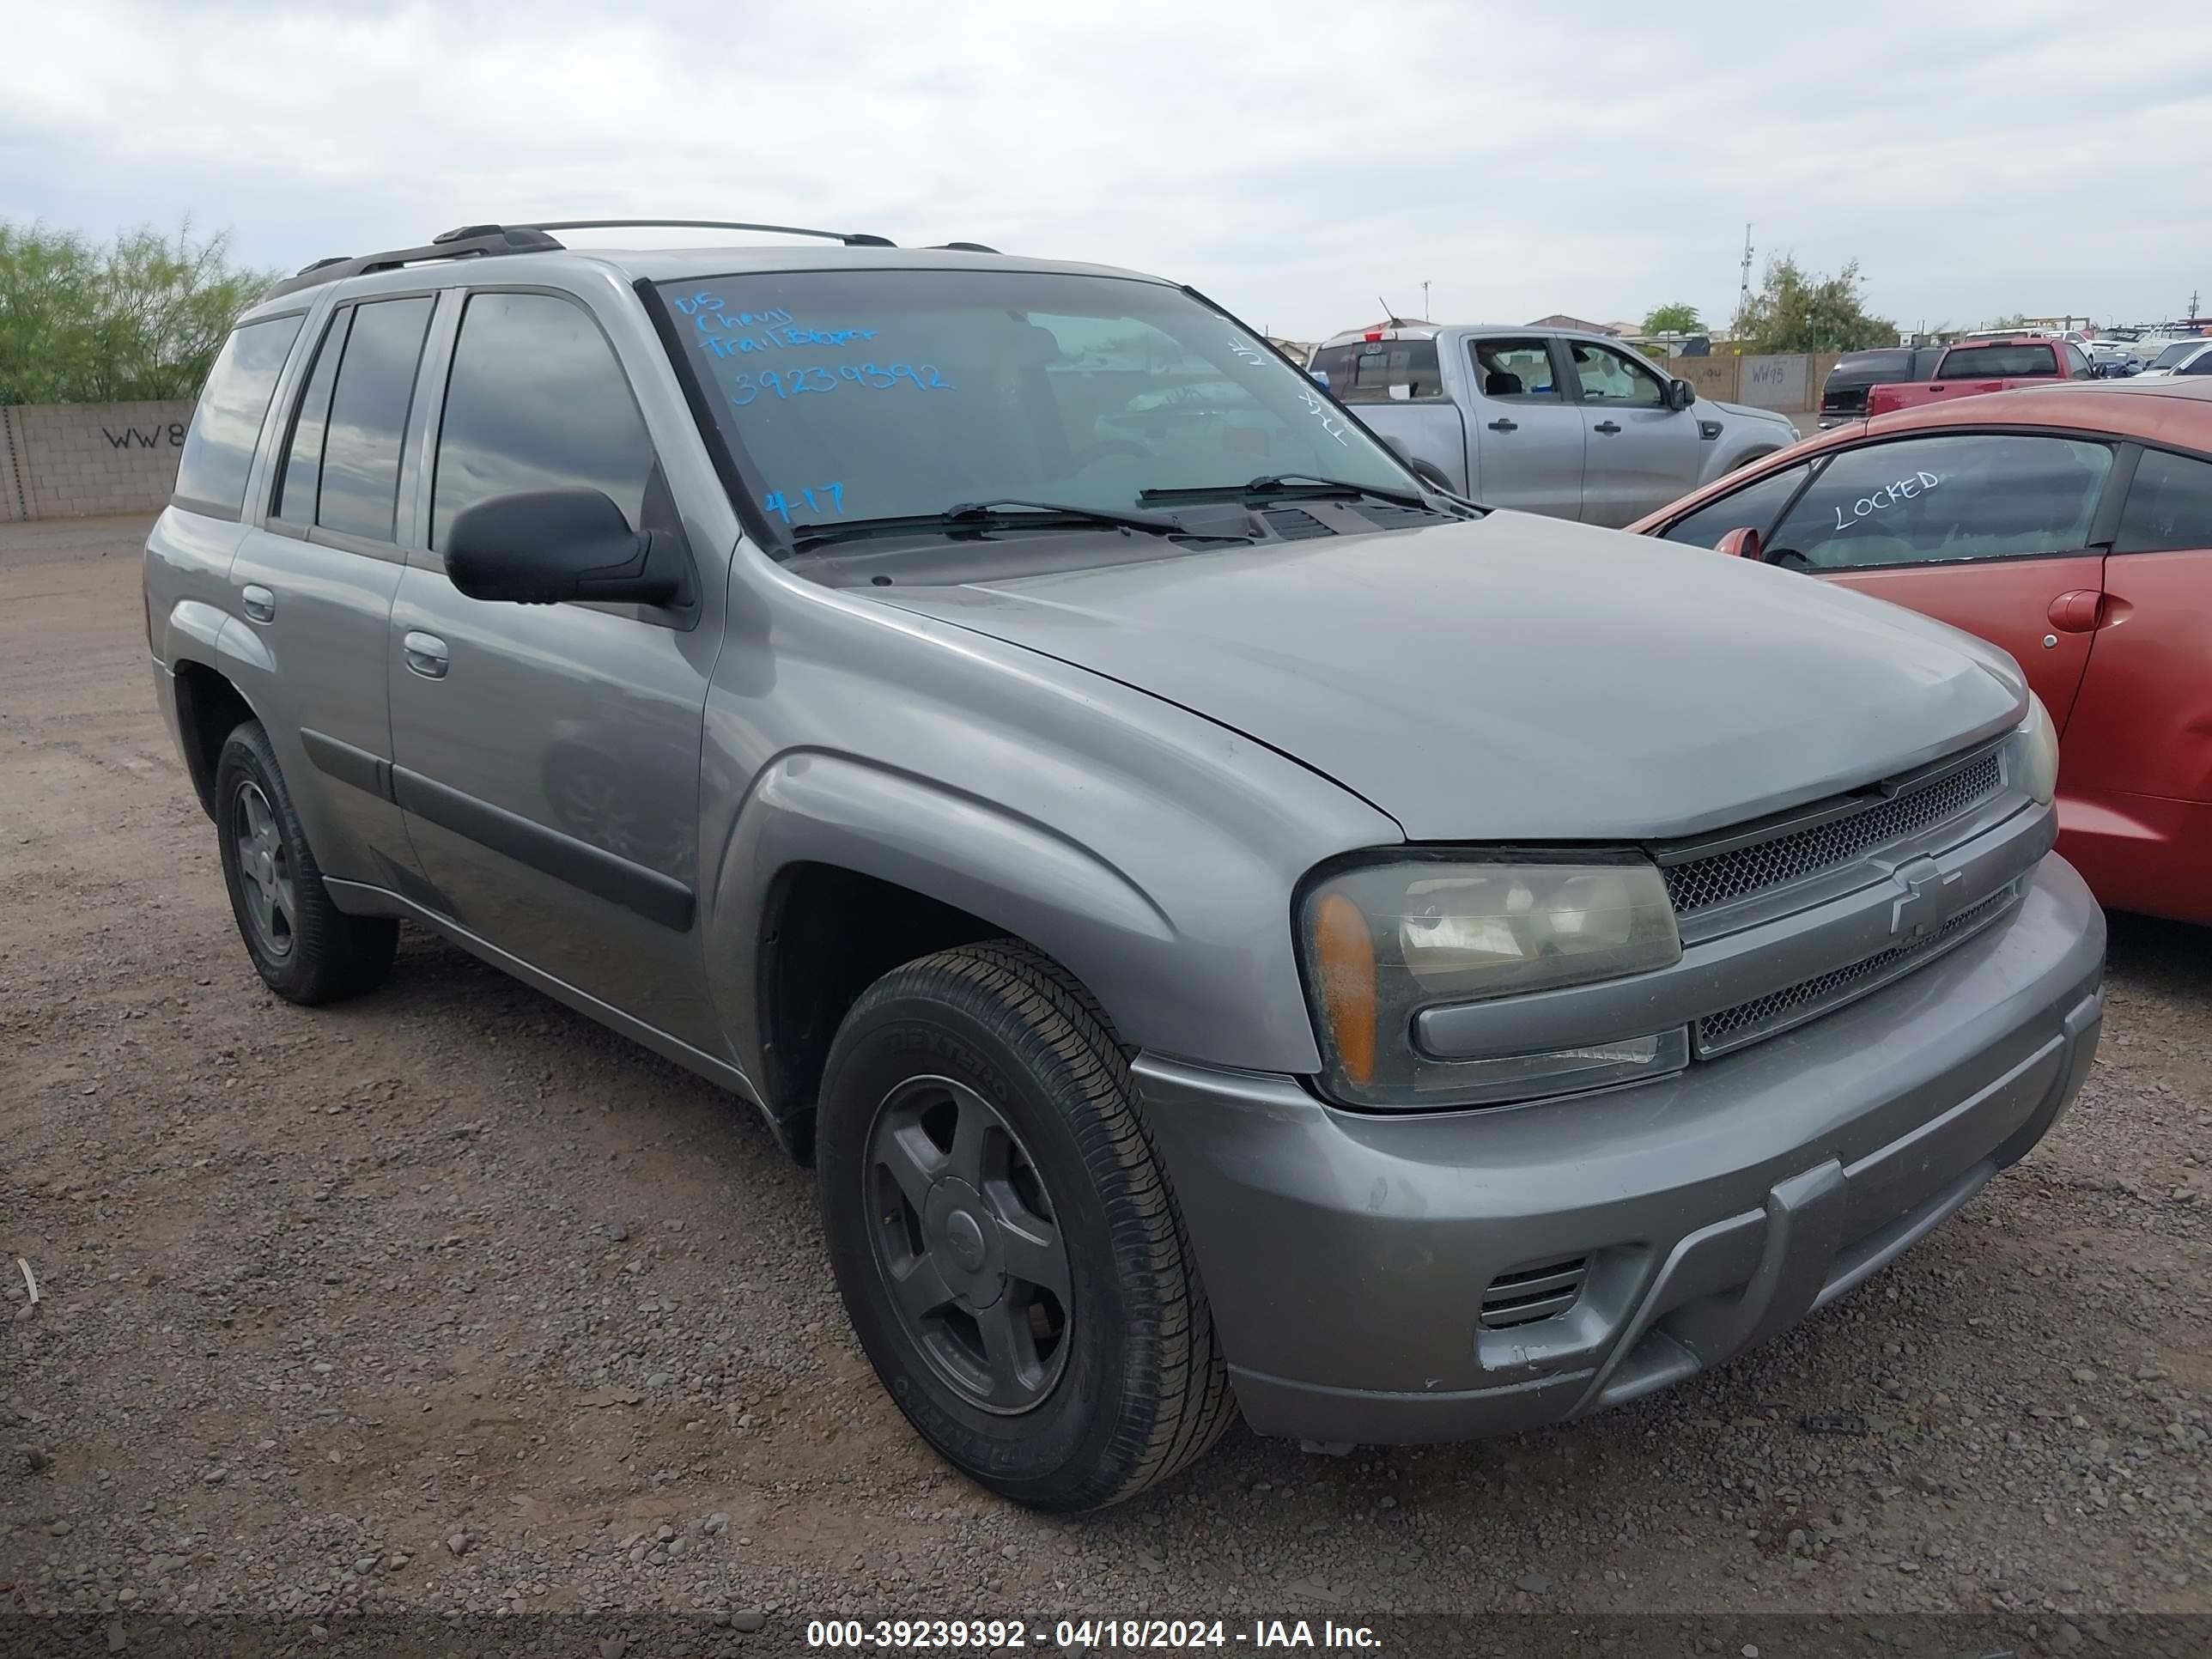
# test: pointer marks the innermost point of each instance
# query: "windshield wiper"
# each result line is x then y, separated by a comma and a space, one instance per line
1284, 484
988, 515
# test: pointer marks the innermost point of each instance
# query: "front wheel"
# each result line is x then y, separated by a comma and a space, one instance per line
1004, 1240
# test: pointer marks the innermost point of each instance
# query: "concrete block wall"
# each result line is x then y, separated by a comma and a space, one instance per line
73, 460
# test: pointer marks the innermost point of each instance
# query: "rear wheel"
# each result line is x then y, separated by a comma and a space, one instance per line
306, 948
1004, 1240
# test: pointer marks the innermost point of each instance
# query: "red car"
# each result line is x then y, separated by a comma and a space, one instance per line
2070, 523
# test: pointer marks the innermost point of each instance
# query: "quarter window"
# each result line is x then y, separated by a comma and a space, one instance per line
225, 426
1516, 369
2169, 505
1754, 506
536, 401
1967, 495
1609, 377
360, 490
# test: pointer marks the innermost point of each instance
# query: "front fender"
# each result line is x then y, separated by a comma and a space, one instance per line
1177, 976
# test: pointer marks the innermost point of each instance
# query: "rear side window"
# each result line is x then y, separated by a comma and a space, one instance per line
1382, 371
375, 384
2169, 505
219, 449
1756, 507
535, 400
1992, 362
1929, 501
1516, 369
303, 456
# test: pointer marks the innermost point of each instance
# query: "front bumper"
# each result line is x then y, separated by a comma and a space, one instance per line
1346, 1256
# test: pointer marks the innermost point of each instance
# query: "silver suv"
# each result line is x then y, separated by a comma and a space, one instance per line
1231, 926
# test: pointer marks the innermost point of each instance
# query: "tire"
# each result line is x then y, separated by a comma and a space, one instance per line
305, 948
1116, 1380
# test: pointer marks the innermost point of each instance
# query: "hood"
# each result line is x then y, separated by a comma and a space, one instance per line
1521, 677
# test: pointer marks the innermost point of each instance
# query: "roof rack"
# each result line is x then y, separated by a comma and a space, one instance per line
962, 247
849, 238
484, 242
469, 241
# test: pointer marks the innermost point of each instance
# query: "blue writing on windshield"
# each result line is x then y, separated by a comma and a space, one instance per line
779, 501
745, 385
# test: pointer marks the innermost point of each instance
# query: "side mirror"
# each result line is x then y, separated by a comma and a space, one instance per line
544, 546
1680, 394
1741, 545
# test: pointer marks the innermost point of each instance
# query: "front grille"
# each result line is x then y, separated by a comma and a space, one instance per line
1762, 1017
1797, 856
1529, 1294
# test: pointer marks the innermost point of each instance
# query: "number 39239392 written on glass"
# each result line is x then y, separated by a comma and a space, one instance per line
744, 386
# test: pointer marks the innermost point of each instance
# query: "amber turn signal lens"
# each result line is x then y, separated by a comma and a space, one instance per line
1343, 951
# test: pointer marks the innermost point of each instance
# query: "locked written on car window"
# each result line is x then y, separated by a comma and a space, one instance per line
873, 394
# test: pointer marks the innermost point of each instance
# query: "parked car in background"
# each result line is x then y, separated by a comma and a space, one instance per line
2071, 524
1549, 420
1844, 393
1231, 927
2181, 357
1973, 367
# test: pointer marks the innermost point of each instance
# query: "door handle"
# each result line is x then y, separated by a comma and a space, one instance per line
2078, 612
1606, 427
257, 602
1501, 424
426, 655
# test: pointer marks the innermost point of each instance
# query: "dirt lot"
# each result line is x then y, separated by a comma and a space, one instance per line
448, 1299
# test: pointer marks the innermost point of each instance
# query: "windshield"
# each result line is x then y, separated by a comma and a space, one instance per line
2174, 353
849, 395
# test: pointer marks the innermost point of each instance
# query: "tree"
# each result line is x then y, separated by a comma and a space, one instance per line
1681, 318
1795, 311
2016, 319
141, 318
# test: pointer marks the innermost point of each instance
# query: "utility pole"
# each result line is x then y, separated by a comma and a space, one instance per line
1743, 290
2192, 308
1425, 312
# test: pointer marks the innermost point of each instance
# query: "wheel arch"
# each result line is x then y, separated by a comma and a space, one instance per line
838, 869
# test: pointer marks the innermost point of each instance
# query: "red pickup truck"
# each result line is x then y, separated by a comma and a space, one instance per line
1978, 366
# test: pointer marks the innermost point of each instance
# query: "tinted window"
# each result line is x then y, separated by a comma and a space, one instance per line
360, 491
1871, 368
2076, 364
1379, 371
536, 401
1756, 507
227, 425
1967, 495
1607, 377
1515, 368
2200, 364
303, 458
1992, 362
2172, 354
2169, 505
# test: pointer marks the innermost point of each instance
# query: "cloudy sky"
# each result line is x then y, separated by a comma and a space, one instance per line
1294, 160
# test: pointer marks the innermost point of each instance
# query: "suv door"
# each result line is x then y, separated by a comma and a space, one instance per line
547, 756
315, 575
1994, 532
1529, 437
1641, 454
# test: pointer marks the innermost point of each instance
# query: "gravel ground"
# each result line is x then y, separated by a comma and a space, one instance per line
449, 1300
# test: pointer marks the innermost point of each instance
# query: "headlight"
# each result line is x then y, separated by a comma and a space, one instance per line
1382, 941
2032, 753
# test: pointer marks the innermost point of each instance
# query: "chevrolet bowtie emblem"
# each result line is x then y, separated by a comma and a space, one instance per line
1932, 897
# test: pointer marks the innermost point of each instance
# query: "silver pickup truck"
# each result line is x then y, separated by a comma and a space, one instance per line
1549, 421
